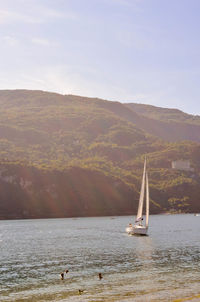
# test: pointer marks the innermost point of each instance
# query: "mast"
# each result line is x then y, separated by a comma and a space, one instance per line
147, 200
141, 200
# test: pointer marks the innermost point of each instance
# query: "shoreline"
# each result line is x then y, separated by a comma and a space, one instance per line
97, 216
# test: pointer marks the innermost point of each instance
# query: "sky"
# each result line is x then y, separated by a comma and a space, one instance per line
143, 51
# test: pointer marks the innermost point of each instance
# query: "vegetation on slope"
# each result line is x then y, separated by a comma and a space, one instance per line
64, 156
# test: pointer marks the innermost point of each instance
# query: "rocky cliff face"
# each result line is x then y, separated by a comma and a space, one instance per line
32, 193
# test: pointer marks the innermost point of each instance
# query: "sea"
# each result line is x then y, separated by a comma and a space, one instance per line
164, 266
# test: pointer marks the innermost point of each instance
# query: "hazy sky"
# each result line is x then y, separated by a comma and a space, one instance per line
145, 51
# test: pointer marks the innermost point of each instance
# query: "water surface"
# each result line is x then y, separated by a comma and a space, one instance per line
164, 266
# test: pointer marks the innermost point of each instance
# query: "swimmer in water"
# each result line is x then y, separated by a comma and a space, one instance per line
100, 276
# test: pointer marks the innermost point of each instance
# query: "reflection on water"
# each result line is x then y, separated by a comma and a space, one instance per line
161, 267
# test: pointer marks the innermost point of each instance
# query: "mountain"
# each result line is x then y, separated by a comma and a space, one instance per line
168, 124
67, 156
164, 114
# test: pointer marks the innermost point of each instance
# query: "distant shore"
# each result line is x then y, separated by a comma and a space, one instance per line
57, 217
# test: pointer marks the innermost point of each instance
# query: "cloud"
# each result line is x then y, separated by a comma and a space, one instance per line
125, 3
42, 42
34, 15
50, 13
11, 41
7, 17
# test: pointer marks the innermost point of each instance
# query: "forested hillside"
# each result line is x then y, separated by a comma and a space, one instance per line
63, 156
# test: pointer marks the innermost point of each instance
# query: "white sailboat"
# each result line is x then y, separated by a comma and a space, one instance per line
141, 228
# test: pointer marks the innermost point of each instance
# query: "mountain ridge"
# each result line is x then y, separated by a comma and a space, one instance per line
79, 138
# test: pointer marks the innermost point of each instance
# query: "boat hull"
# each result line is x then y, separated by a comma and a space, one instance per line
137, 230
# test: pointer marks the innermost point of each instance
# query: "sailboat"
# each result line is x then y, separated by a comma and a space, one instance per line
140, 227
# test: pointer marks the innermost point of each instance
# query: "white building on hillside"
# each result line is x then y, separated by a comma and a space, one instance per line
182, 165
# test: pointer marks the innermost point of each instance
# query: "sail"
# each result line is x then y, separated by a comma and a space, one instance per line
141, 200
147, 200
